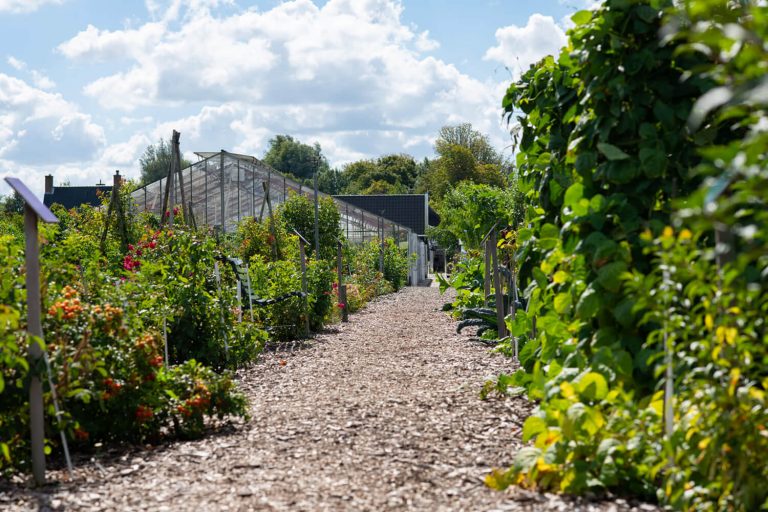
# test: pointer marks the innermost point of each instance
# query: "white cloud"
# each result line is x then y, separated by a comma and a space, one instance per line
39, 127
349, 75
16, 64
519, 47
19, 6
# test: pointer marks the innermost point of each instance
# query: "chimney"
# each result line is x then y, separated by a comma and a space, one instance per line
49, 184
117, 180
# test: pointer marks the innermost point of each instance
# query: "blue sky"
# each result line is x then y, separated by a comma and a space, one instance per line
86, 85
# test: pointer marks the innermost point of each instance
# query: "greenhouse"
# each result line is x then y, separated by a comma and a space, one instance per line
224, 188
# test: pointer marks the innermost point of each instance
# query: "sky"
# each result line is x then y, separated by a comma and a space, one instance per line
87, 85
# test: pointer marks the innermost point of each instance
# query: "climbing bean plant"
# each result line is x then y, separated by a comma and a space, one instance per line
631, 162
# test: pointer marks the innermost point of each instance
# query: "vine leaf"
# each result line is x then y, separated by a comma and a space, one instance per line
611, 152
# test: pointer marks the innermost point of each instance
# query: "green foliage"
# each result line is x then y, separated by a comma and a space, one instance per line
298, 212
156, 160
11, 204
469, 211
389, 174
622, 137
291, 157
463, 135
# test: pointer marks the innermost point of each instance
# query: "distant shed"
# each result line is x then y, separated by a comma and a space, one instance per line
409, 210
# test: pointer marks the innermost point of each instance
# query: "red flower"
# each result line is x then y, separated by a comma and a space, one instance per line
143, 413
80, 434
341, 305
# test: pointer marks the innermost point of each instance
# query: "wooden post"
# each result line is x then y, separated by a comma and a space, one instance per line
342, 287
35, 329
381, 245
500, 325
304, 285
34, 210
486, 274
317, 221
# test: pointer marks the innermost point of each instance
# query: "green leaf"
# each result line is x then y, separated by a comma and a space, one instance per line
581, 17
533, 426
611, 152
526, 458
574, 193
562, 302
592, 386
6, 451
609, 276
654, 162
588, 305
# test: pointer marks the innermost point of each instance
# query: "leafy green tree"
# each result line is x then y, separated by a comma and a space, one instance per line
12, 203
290, 156
332, 181
389, 174
467, 137
457, 164
156, 160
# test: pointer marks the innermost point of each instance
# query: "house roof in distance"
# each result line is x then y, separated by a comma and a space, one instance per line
409, 210
72, 197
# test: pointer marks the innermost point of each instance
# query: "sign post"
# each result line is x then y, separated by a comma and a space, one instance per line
34, 210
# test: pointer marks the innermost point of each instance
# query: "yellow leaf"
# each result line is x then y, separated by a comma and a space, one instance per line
567, 390
704, 443
735, 374
735, 310
709, 322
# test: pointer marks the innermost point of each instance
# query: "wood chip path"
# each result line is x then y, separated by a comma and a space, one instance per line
381, 413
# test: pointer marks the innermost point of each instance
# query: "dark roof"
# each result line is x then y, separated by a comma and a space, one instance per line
404, 209
72, 197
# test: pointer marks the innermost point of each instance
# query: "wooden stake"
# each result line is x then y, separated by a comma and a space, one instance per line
500, 325
304, 285
341, 286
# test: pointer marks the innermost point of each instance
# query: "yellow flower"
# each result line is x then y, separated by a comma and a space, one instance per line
685, 234
668, 232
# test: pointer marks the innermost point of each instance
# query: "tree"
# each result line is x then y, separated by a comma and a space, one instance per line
12, 203
465, 136
290, 156
331, 181
156, 160
389, 174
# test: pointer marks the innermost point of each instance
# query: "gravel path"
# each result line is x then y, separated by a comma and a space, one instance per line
382, 413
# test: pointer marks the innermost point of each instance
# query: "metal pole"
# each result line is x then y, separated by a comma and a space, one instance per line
317, 221
238, 192
35, 329
347, 207
206, 193
221, 188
